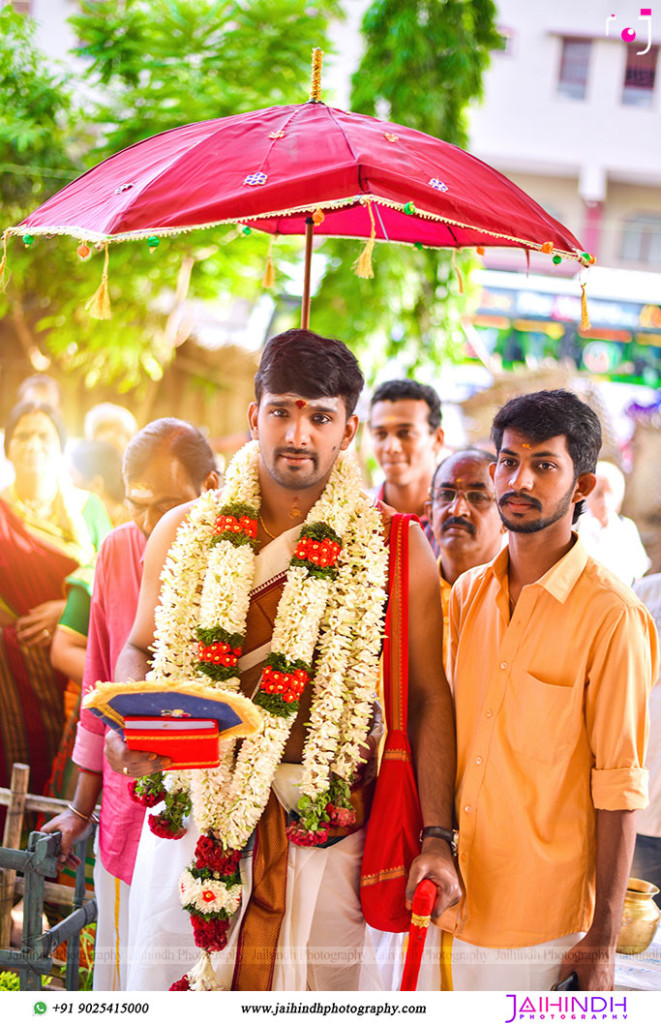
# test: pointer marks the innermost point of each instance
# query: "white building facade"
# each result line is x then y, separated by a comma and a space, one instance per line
572, 113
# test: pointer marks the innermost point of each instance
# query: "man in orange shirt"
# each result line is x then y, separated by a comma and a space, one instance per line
551, 660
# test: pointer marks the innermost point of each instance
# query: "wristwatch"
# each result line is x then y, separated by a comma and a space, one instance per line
451, 836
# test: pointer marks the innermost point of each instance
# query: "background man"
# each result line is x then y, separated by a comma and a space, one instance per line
464, 517
551, 660
111, 423
405, 425
609, 537
167, 463
303, 417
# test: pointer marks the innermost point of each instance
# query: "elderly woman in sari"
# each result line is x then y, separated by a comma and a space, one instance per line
49, 533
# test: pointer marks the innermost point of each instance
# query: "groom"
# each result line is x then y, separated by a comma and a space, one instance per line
300, 902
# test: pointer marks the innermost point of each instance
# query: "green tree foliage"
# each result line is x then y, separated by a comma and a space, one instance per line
425, 59
165, 63
153, 65
422, 65
36, 125
37, 136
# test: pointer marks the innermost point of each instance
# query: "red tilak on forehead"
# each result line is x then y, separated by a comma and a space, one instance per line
301, 403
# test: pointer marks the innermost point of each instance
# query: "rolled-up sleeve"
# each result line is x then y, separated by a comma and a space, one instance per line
88, 749
623, 669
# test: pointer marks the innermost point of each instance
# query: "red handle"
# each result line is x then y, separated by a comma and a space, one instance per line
423, 904
424, 898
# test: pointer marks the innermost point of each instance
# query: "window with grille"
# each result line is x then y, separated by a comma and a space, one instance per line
640, 77
641, 240
574, 67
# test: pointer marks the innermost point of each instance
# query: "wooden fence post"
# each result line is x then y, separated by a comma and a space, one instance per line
11, 839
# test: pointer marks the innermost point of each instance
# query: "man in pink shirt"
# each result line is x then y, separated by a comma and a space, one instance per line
167, 463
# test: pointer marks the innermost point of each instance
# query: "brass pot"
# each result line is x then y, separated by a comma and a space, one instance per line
640, 917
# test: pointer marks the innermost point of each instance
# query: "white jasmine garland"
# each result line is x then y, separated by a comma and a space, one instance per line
225, 598
209, 787
202, 977
366, 591
299, 613
341, 619
348, 662
178, 610
334, 623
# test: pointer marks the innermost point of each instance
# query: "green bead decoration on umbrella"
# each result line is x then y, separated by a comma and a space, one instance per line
153, 242
409, 208
418, 245
557, 259
28, 240
245, 230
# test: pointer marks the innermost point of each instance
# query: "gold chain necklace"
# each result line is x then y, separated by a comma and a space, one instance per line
265, 527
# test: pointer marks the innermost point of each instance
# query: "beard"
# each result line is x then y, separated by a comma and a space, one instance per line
294, 478
535, 525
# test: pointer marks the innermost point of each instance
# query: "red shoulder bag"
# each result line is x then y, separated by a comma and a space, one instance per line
393, 831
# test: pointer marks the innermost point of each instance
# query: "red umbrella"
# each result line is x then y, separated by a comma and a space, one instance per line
302, 169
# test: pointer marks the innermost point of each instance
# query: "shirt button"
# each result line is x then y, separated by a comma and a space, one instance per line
489, 713
478, 760
468, 808
503, 664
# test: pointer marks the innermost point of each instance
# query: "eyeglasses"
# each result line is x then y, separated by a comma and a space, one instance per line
447, 495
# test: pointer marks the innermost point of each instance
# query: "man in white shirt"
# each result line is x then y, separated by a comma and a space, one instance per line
609, 537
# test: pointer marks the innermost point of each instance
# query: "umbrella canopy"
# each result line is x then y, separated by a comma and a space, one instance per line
301, 169
276, 166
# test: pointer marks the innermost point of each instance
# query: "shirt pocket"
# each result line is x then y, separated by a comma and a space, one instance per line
543, 718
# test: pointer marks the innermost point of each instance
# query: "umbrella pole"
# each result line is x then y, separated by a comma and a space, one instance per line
305, 304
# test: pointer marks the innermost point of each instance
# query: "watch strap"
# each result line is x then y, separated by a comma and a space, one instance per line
450, 835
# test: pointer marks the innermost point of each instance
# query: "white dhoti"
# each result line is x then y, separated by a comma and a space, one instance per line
471, 968
110, 949
323, 945
523, 969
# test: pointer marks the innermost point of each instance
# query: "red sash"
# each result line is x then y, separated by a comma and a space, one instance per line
393, 832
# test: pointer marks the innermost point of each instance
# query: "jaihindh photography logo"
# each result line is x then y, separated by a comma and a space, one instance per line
565, 1007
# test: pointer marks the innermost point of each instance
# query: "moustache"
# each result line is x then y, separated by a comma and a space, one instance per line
458, 521
522, 497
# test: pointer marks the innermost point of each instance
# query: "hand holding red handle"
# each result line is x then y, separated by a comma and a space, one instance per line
423, 904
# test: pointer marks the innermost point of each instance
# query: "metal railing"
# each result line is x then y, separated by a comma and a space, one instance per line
35, 957
37, 864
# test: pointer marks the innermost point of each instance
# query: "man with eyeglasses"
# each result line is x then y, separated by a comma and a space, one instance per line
464, 517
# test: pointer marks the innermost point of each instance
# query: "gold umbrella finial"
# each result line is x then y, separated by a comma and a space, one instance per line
315, 80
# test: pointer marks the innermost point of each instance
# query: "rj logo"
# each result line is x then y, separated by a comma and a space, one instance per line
629, 34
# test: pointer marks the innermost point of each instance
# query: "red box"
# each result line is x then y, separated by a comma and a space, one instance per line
190, 742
